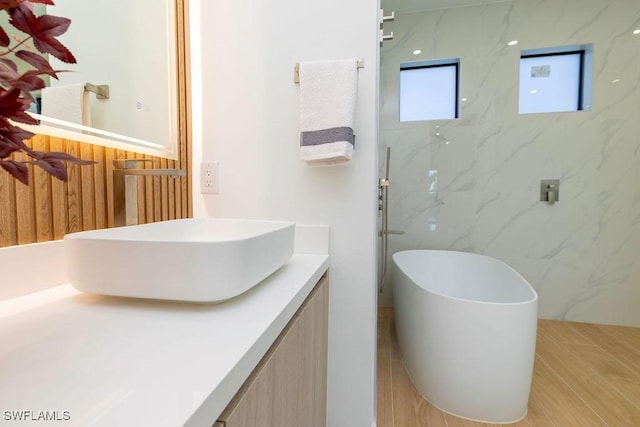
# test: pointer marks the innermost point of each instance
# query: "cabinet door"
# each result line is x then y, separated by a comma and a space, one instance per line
289, 386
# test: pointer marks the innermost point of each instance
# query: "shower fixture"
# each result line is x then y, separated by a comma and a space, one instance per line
383, 205
549, 190
383, 234
384, 19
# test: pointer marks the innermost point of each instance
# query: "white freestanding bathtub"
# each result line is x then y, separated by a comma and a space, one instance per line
466, 327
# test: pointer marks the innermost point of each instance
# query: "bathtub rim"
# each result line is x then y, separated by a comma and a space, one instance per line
533, 300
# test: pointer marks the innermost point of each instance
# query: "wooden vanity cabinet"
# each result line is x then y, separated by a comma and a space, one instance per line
288, 388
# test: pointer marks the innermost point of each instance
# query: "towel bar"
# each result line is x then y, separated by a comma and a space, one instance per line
101, 91
296, 70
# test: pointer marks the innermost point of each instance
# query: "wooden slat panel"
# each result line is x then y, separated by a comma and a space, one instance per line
171, 196
87, 175
109, 156
100, 186
148, 195
74, 191
26, 216
142, 215
177, 186
42, 193
157, 202
184, 106
164, 192
59, 196
49, 208
8, 226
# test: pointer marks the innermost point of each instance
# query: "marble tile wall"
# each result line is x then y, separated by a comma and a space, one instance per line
479, 192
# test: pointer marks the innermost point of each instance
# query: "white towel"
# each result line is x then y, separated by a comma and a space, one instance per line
67, 102
328, 95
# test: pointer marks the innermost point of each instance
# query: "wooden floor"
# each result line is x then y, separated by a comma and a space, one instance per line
584, 375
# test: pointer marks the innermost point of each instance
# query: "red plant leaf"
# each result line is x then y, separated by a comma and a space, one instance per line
10, 4
64, 157
37, 61
15, 136
4, 38
53, 167
6, 149
44, 30
29, 81
8, 75
53, 164
7, 63
23, 19
12, 107
55, 48
16, 169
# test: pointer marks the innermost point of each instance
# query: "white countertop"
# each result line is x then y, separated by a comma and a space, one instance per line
125, 362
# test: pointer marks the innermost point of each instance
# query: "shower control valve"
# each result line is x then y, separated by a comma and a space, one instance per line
549, 190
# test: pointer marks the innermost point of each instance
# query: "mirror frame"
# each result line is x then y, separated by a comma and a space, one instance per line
183, 74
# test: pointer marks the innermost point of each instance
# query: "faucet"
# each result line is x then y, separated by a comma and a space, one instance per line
125, 188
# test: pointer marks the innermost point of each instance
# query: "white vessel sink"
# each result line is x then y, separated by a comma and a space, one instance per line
199, 260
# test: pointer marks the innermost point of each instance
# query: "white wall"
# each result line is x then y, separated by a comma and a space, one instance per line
250, 125
480, 193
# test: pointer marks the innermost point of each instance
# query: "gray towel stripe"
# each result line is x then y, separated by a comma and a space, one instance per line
325, 136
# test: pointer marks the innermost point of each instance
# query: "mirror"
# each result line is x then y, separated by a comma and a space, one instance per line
131, 48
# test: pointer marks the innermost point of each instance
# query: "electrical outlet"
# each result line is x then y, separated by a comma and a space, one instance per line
209, 178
